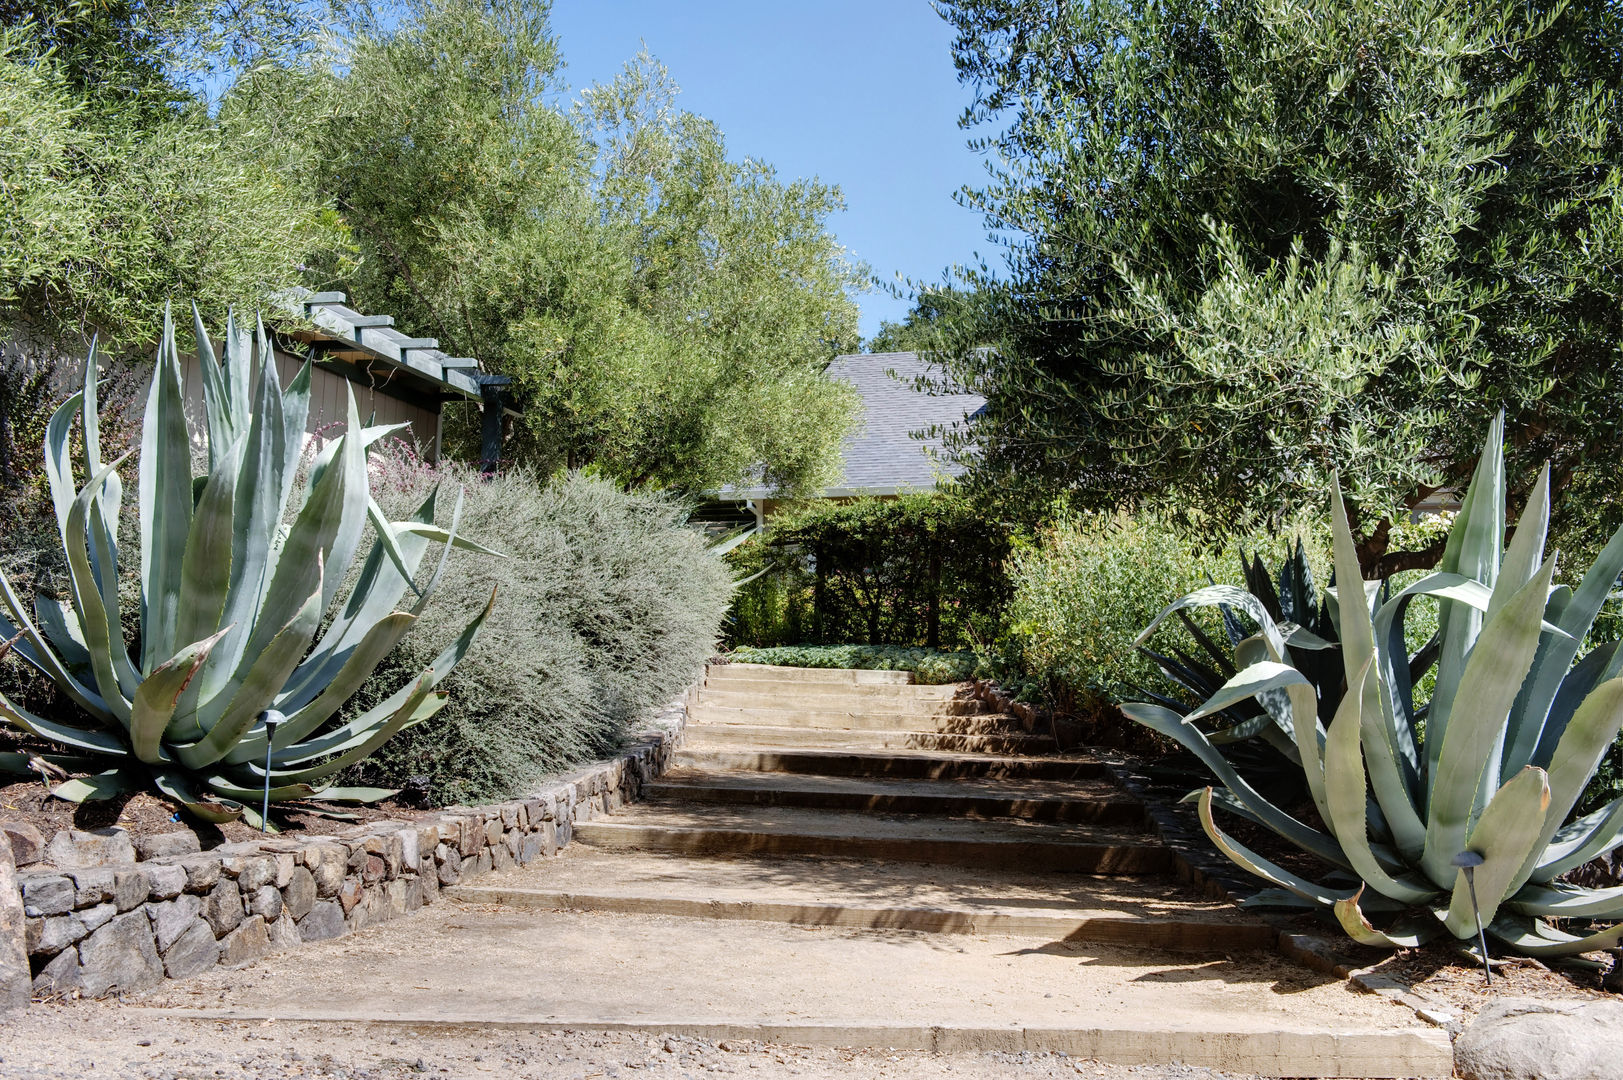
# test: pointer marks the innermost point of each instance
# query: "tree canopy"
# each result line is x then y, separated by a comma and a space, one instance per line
665, 310
1254, 242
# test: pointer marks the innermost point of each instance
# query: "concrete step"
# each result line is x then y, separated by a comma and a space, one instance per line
968, 722
851, 893
815, 691
908, 764
1093, 801
838, 706
453, 967
994, 845
838, 676
702, 735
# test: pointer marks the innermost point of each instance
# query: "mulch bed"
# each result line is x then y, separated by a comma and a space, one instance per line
148, 814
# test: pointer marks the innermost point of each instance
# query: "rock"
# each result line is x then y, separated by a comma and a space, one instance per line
46, 893
285, 865
253, 872
130, 888
91, 885
1524, 1039
300, 893
27, 843
202, 871
246, 943
71, 849
15, 977
166, 882
119, 957
350, 894
451, 868
266, 902
410, 850
284, 934
171, 919
326, 864
182, 842
325, 921
193, 950
222, 908
94, 918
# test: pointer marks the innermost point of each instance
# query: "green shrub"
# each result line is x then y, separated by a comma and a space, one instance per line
774, 605
1086, 585
930, 666
607, 608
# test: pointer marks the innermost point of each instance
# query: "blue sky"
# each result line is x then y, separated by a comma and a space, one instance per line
861, 94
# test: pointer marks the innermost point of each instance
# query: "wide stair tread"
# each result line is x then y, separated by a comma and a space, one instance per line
879, 896
1059, 847
1042, 800
868, 739
912, 764
964, 722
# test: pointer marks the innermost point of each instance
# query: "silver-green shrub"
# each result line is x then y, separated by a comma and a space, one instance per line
609, 608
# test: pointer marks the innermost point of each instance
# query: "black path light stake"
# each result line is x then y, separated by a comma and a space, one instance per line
1468, 861
273, 719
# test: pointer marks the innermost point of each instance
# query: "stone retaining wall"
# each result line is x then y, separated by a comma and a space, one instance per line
114, 915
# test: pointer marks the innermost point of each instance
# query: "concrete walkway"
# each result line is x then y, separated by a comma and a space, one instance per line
845, 859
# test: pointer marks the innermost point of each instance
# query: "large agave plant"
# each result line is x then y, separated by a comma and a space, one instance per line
1492, 768
238, 567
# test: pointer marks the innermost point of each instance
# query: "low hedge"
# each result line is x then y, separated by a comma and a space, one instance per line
932, 666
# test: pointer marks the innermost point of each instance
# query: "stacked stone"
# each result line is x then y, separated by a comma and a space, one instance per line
111, 915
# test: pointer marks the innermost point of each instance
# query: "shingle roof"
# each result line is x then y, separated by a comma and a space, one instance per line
882, 457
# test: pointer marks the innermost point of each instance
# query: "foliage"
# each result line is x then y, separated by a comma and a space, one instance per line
923, 329
772, 605
1246, 242
921, 569
229, 672
665, 311
609, 608
1407, 790
929, 666
121, 188
1086, 585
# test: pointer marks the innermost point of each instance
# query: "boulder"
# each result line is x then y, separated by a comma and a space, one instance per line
171, 919
300, 893
1524, 1039
27, 842
326, 920
71, 849
193, 950
222, 907
46, 893
246, 943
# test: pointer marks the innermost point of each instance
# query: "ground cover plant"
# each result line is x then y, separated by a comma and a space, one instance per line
228, 691
929, 666
1488, 770
609, 607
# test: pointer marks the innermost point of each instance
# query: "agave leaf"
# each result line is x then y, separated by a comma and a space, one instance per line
1533, 939
97, 788
93, 621
40, 654
1576, 843
200, 804
1220, 596
1505, 836
1526, 552
259, 686
383, 529
1219, 658
1348, 799
1473, 550
339, 550
165, 502
1261, 867
1593, 729
1171, 725
727, 543
206, 568
61, 626
420, 704
434, 532
222, 428
157, 696
356, 794
1361, 930
1493, 675
1568, 902
95, 742
1380, 739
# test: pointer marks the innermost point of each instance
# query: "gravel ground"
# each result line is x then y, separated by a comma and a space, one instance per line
98, 1039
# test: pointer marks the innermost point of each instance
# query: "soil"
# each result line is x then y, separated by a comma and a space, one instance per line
101, 1040
147, 814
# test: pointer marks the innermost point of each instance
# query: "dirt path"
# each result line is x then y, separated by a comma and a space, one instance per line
108, 1042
